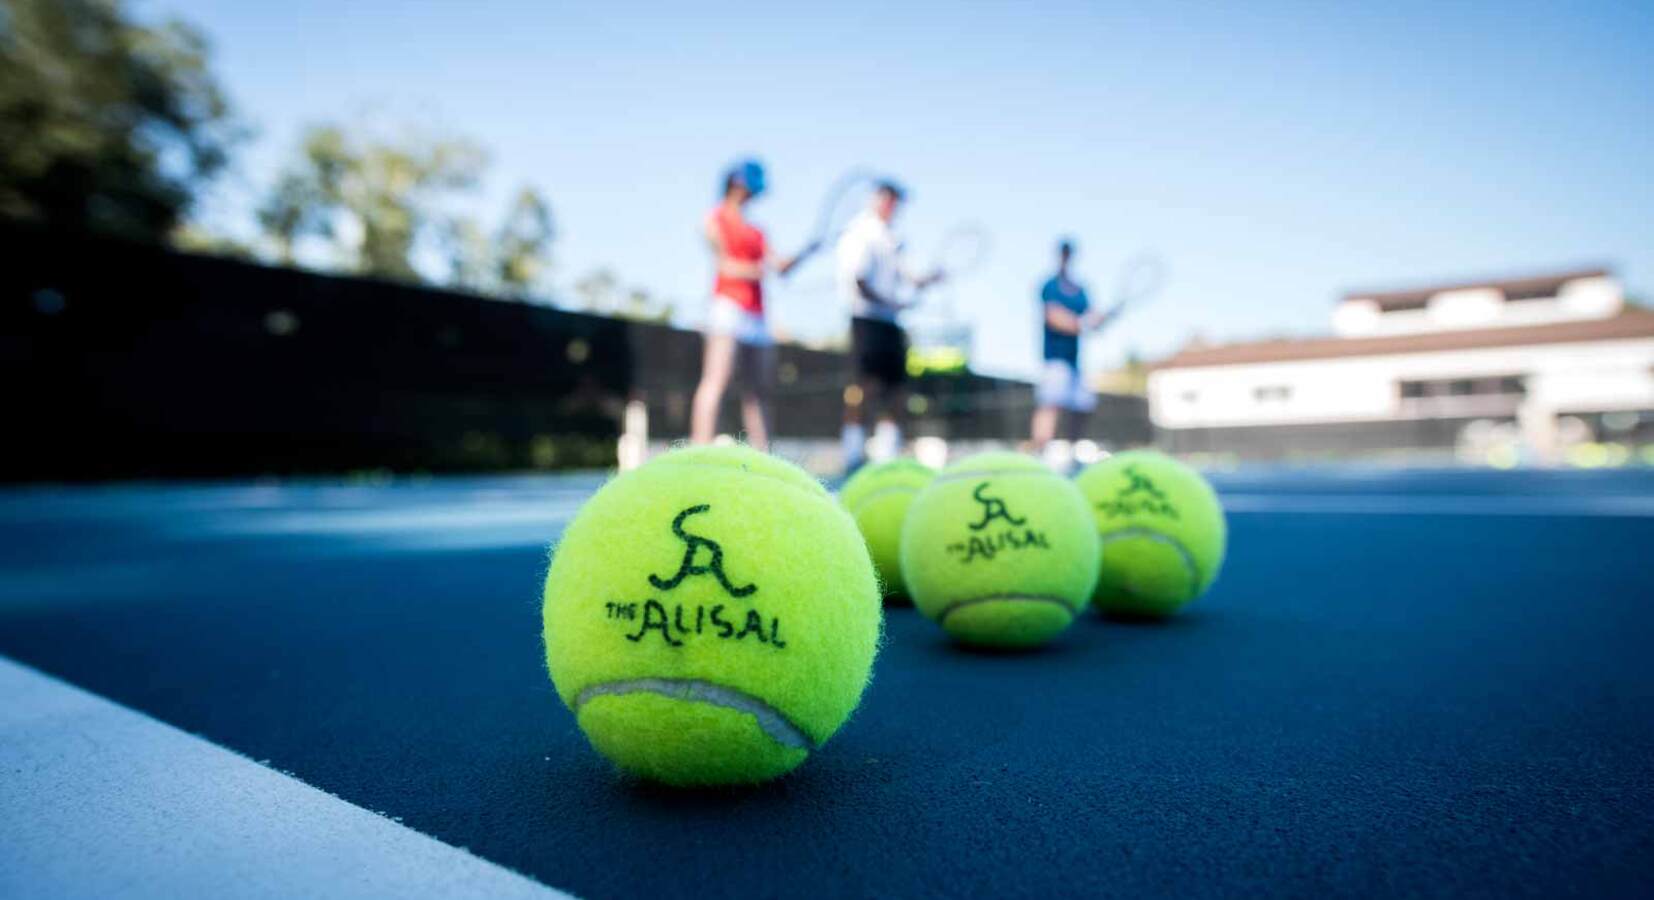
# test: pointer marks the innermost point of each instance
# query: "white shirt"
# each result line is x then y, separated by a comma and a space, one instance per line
868, 251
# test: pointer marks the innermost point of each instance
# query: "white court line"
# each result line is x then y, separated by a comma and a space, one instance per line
97, 800
1442, 504
444, 526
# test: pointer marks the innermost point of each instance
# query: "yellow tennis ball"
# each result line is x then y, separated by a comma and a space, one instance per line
1162, 529
711, 617
1000, 550
878, 497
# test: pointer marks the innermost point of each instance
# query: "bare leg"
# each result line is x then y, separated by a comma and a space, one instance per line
1044, 427
1074, 424
887, 435
717, 362
853, 435
757, 368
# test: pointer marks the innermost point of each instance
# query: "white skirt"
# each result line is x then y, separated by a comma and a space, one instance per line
725, 316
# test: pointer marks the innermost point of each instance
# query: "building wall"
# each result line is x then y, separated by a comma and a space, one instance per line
1585, 377
1434, 438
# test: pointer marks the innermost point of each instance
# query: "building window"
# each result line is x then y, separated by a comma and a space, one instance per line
1272, 393
1493, 386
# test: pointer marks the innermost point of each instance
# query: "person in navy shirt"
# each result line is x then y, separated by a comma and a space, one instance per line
1067, 314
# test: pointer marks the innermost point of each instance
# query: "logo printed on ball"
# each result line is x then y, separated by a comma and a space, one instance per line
992, 508
1138, 495
689, 620
693, 543
1015, 537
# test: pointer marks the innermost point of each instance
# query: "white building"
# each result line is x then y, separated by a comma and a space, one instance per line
1551, 359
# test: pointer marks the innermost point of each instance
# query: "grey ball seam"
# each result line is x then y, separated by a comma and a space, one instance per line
955, 606
771, 721
1182, 551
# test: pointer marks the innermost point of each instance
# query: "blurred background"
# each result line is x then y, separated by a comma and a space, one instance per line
380, 238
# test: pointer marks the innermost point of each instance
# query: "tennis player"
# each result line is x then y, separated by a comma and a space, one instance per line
1067, 314
872, 280
737, 339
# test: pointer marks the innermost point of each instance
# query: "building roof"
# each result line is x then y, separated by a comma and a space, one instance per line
1532, 286
1632, 322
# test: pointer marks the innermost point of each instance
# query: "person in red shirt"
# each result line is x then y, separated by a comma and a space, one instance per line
737, 337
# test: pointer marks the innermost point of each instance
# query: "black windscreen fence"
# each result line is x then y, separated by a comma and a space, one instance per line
123, 360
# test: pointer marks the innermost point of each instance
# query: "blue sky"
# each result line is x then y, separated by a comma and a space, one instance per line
1274, 154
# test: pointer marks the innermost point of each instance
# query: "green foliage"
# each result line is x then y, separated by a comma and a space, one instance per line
390, 190
105, 124
523, 243
376, 199
600, 292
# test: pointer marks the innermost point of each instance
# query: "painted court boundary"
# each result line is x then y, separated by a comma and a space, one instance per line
97, 800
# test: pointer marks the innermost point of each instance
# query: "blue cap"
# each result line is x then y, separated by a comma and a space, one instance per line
748, 173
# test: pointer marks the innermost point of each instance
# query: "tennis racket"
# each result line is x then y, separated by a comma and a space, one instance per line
962, 250
1140, 279
847, 196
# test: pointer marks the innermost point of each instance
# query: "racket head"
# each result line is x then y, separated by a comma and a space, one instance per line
962, 249
846, 197
1140, 279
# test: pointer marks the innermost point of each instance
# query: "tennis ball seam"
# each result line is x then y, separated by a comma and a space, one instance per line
1182, 551
882, 492
822, 496
955, 606
771, 721
969, 474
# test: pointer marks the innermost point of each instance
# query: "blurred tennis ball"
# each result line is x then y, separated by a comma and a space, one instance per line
1000, 550
878, 497
1162, 529
711, 617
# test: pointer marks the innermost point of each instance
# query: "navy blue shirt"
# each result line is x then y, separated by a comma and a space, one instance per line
1071, 297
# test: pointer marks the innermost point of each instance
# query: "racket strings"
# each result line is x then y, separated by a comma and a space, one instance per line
962, 250
1140, 278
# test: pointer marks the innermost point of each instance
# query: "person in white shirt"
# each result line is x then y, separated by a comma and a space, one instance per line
873, 281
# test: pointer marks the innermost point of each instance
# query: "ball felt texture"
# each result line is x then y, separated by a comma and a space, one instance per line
1000, 550
711, 617
1162, 530
877, 497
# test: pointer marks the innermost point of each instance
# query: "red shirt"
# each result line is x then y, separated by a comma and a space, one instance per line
743, 243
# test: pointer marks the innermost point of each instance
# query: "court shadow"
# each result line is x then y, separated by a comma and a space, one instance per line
671, 798
1063, 645
1177, 622
817, 780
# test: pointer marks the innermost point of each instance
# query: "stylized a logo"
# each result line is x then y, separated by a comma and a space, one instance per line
693, 543
992, 508
1138, 483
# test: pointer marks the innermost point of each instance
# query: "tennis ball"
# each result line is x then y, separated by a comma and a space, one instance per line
1162, 529
1000, 550
878, 497
711, 617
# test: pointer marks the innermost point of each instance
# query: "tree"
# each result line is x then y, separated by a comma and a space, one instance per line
105, 124
390, 192
522, 246
601, 293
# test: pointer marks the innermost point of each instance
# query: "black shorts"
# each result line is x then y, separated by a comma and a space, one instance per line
878, 351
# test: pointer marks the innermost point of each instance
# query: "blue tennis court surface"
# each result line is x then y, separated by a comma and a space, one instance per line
1403, 683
